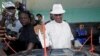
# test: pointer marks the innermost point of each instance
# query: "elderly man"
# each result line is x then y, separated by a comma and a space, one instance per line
58, 32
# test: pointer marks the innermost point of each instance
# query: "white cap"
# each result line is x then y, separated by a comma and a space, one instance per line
7, 4
57, 9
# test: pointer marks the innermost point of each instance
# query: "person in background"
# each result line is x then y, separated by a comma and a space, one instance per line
39, 18
96, 34
38, 27
57, 31
81, 33
9, 20
19, 6
33, 22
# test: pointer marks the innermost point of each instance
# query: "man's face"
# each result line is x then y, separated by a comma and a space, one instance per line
81, 26
11, 11
39, 18
57, 18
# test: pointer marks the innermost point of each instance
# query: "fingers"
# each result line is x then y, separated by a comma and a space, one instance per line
13, 38
10, 38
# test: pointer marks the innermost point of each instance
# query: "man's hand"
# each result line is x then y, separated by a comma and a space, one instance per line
10, 38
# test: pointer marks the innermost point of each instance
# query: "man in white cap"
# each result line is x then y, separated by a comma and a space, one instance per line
10, 21
58, 31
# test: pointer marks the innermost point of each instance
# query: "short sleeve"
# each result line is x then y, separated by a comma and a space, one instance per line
32, 36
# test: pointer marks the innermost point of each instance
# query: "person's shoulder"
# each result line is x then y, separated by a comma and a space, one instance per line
49, 23
66, 23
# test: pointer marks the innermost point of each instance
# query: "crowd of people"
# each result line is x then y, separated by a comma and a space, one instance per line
22, 31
